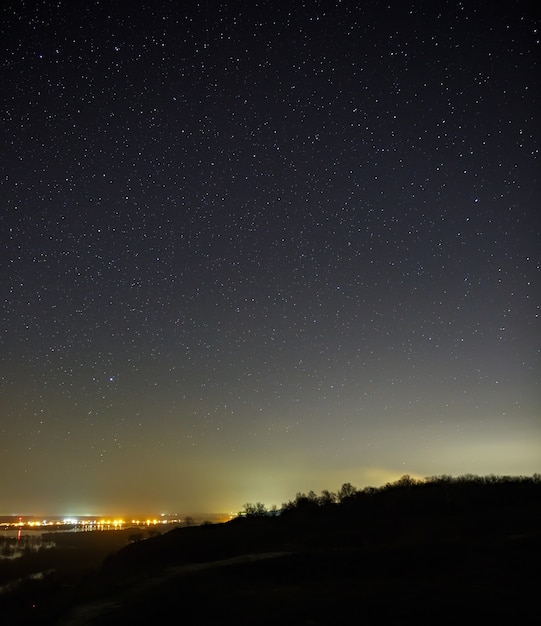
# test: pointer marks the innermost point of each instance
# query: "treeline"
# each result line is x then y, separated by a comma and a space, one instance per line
407, 494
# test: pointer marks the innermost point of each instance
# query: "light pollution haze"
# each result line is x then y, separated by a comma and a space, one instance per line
256, 249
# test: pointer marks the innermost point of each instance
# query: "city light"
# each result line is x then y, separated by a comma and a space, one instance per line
87, 523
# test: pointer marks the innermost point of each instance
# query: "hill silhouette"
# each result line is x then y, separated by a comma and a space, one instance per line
440, 550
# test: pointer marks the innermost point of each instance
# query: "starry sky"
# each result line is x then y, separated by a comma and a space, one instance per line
252, 248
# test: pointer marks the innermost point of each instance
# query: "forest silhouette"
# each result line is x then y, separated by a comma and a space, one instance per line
437, 550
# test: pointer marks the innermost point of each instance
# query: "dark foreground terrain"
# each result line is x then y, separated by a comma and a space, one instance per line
455, 552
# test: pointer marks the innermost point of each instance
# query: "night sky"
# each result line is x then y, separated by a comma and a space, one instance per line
252, 248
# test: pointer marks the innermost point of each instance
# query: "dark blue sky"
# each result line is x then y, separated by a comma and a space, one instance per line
255, 248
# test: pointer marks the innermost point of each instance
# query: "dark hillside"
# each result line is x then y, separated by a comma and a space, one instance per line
445, 549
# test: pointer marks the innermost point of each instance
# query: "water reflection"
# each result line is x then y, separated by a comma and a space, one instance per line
21, 545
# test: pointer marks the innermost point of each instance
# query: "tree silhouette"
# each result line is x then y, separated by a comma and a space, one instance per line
254, 510
346, 493
327, 497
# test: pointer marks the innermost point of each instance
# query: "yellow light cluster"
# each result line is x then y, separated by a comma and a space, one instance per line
38, 524
89, 524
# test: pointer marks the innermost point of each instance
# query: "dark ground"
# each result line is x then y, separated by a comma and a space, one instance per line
329, 565
335, 587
